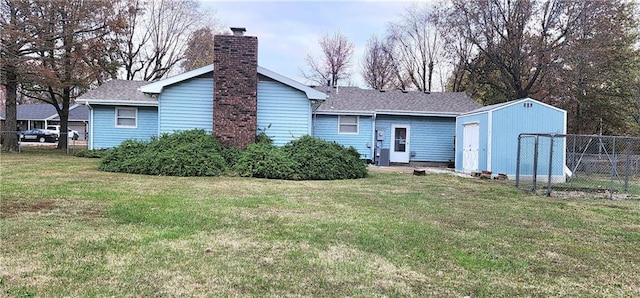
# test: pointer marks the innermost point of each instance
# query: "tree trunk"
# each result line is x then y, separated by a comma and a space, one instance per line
63, 113
10, 135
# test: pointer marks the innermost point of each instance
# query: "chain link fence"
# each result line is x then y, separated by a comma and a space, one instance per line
73, 146
579, 164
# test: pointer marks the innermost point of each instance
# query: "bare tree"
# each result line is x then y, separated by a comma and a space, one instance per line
133, 38
71, 47
377, 66
459, 52
12, 42
155, 39
597, 79
335, 62
418, 45
519, 39
199, 50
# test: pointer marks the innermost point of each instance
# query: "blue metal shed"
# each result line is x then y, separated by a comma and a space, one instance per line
487, 138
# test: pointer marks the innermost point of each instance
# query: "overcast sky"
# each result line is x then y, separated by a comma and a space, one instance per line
288, 30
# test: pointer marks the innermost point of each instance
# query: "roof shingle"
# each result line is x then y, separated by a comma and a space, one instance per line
45, 111
355, 99
119, 90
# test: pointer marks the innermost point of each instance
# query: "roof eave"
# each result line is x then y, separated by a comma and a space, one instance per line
344, 112
504, 105
111, 102
311, 93
156, 87
416, 113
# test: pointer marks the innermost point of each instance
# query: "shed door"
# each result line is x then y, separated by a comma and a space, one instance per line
399, 143
470, 144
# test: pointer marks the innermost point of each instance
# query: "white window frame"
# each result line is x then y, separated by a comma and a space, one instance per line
135, 118
340, 124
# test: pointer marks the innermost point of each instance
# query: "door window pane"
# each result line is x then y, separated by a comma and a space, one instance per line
400, 139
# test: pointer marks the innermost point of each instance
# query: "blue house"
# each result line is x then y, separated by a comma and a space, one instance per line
487, 138
236, 99
122, 110
411, 126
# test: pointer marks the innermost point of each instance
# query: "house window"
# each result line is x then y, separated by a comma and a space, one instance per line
126, 117
348, 124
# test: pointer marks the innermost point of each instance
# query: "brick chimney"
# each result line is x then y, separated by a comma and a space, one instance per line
235, 80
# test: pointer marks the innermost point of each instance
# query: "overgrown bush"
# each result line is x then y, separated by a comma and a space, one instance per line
187, 153
307, 158
197, 153
318, 159
95, 153
231, 156
263, 160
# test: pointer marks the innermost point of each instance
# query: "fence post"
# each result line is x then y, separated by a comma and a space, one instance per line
535, 164
518, 163
573, 159
627, 167
614, 166
550, 167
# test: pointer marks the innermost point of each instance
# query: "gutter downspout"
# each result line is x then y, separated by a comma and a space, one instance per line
314, 114
89, 135
374, 142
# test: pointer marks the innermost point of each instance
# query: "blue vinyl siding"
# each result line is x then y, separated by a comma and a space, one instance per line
104, 133
326, 127
502, 126
186, 105
284, 113
482, 121
513, 120
431, 138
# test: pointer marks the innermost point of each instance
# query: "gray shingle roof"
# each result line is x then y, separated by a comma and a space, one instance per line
79, 113
45, 111
35, 111
355, 99
118, 90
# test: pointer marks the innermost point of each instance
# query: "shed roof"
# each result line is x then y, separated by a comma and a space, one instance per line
502, 105
343, 100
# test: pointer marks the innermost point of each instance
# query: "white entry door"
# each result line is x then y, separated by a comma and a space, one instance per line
399, 143
470, 144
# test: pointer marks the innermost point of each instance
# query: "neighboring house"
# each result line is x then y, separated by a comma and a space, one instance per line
31, 116
398, 126
487, 138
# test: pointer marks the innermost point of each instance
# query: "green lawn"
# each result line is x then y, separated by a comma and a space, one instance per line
70, 230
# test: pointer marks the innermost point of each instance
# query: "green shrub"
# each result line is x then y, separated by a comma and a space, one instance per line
187, 153
231, 156
197, 153
124, 158
95, 153
318, 159
263, 160
307, 158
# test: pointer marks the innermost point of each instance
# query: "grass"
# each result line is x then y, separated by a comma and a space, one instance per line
70, 230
